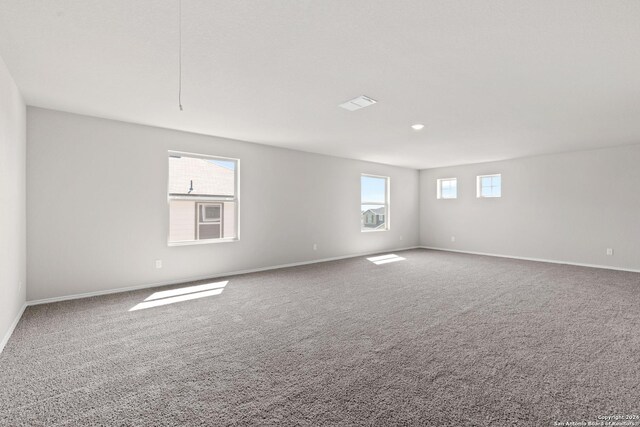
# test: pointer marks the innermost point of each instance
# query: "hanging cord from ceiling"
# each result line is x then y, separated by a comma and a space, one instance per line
180, 54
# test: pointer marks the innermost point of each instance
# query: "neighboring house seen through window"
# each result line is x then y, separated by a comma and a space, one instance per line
203, 198
374, 203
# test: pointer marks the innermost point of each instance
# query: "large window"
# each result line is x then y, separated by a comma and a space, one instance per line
490, 186
447, 188
374, 203
203, 198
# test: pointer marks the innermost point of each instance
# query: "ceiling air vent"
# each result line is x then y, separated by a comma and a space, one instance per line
358, 103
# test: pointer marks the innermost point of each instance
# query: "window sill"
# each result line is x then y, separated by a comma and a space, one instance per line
373, 231
203, 242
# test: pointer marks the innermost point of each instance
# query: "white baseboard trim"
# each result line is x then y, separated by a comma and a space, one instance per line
552, 261
207, 277
6, 337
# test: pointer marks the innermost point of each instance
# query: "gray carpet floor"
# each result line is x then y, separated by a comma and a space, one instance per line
437, 339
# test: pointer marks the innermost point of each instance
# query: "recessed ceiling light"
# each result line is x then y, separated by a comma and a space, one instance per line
358, 103
417, 126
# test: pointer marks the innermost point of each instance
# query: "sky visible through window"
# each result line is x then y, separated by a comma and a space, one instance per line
448, 188
490, 186
373, 189
229, 164
364, 208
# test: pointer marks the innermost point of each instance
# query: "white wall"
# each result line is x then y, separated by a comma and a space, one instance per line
565, 207
12, 203
98, 214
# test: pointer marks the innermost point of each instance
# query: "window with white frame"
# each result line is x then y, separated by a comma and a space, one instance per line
448, 188
374, 203
203, 198
490, 186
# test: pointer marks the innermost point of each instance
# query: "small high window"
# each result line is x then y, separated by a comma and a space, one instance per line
448, 188
203, 198
374, 203
490, 185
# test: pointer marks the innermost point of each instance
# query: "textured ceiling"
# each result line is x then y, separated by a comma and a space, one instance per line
489, 79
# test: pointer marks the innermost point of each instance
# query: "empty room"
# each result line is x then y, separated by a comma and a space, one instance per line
319, 213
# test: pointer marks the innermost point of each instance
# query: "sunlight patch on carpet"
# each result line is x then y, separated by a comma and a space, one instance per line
385, 259
188, 293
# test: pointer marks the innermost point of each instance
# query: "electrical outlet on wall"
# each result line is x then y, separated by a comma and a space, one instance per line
400, 237
609, 251
158, 263
315, 246
453, 238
